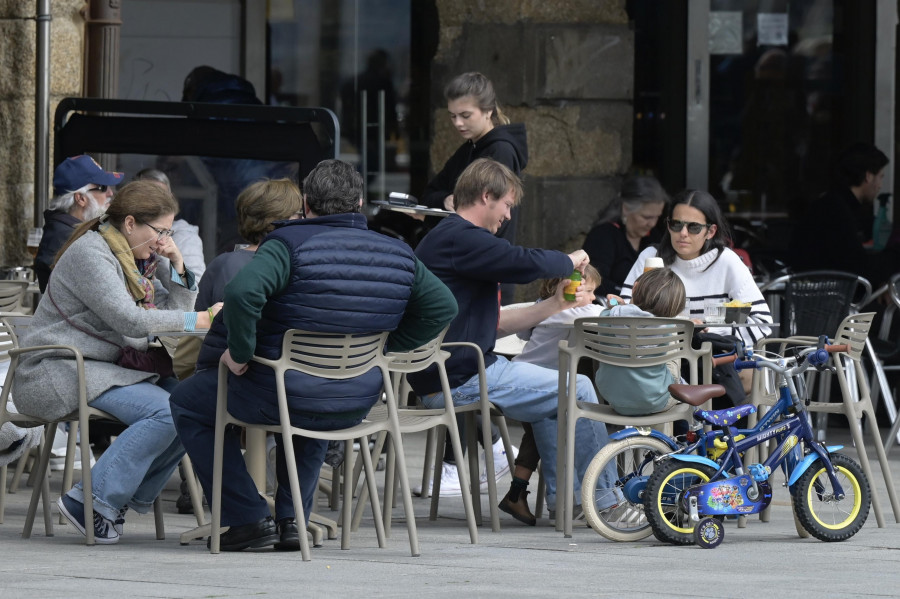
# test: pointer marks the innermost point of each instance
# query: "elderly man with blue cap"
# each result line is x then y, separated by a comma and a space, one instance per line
82, 190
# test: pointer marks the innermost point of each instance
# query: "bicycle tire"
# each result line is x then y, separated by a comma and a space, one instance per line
825, 518
626, 454
669, 522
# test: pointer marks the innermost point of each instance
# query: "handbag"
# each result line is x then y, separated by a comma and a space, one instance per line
155, 359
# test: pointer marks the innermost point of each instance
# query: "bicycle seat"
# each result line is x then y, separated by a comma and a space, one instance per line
695, 395
725, 417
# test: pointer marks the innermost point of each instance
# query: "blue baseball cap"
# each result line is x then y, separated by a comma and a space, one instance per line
76, 172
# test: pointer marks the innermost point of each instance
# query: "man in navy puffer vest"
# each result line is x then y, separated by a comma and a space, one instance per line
326, 273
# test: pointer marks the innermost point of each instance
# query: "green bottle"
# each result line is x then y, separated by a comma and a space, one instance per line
572, 287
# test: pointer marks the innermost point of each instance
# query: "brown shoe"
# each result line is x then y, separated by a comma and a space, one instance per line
518, 509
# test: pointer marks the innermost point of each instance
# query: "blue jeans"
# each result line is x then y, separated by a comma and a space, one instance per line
530, 393
194, 411
136, 467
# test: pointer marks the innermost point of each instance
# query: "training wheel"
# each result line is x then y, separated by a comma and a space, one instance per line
709, 533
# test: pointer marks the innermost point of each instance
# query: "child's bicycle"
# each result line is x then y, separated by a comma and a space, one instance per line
635, 454
632, 454
688, 495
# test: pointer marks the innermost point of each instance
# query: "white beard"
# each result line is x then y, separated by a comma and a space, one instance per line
93, 211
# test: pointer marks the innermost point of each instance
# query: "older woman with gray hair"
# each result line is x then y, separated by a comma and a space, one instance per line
624, 229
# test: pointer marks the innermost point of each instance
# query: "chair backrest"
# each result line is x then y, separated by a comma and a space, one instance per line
853, 331
420, 358
638, 342
11, 295
815, 302
330, 355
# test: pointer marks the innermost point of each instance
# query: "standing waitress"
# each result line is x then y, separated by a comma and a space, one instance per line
473, 109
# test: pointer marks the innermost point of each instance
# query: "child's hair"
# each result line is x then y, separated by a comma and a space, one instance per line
659, 292
548, 286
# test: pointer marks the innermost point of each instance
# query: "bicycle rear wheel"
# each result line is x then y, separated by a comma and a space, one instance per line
663, 505
631, 458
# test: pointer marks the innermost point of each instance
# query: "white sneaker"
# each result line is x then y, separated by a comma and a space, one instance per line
58, 459
450, 486
501, 464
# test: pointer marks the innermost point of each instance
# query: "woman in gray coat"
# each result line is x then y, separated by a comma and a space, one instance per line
100, 298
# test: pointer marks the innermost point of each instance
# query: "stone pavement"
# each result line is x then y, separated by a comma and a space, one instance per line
520, 561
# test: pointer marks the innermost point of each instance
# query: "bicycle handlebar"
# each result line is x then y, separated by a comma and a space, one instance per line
728, 359
815, 356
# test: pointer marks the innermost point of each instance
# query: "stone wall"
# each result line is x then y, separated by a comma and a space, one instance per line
565, 69
17, 95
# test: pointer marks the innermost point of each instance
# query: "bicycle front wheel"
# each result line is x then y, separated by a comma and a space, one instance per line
632, 461
824, 516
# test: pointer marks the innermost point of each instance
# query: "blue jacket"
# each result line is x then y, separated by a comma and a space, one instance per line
343, 279
472, 262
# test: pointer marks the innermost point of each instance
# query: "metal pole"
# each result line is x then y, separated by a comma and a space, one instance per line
104, 25
363, 141
42, 111
381, 135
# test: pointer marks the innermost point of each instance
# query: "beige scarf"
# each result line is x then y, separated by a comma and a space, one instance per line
139, 285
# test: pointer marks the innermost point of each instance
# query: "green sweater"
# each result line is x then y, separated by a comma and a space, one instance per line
431, 306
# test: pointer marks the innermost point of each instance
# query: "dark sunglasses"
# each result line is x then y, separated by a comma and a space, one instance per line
676, 226
100, 188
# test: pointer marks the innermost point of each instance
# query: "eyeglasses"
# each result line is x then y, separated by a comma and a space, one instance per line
100, 188
676, 226
161, 233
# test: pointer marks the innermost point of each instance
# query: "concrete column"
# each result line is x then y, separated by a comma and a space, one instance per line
18, 85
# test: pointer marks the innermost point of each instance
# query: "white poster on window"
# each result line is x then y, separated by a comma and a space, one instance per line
772, 28
725, 32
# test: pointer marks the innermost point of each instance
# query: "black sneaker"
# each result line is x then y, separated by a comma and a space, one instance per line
104, 529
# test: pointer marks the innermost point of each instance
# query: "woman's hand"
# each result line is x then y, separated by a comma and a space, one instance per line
235, 367
205, 318
167, 248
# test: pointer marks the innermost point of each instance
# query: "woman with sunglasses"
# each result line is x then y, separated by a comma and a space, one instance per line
695, 246
101, 297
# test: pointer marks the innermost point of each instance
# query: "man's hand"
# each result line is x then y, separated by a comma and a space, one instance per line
579, 259
233, 366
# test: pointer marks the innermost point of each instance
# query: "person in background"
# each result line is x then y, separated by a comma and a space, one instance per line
696, 247
846, 207
474, 112
100, 299
542, 349
324, 273
82, 190
624, 229
185, 235
259, 207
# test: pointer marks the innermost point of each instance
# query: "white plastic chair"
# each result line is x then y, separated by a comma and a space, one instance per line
620, 341
855, 403
417, 419
10, 328
330, 356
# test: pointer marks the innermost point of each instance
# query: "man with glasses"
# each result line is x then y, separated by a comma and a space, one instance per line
82, 191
